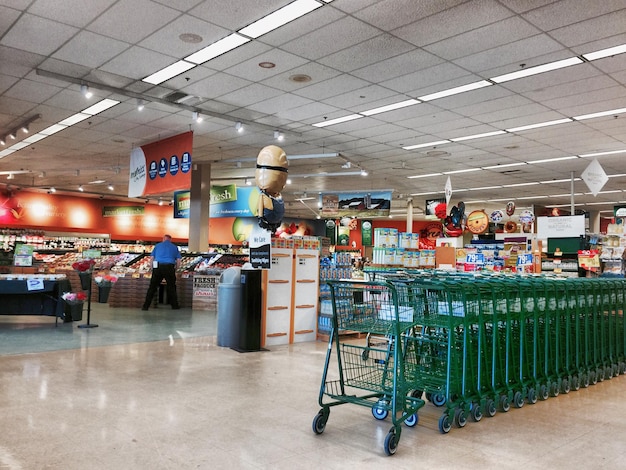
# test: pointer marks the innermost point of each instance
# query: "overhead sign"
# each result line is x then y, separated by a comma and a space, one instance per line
594, 177
115, 211
361, 204
182, 202
560, 227
161, 166
231, 201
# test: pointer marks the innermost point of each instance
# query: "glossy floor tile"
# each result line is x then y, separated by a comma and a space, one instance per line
151, 390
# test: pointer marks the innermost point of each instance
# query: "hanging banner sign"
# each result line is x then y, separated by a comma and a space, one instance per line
182, 201
366, 204
594, 177
232, 201
367, 238
161, 166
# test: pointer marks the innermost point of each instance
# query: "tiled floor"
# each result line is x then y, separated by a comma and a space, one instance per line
151, 390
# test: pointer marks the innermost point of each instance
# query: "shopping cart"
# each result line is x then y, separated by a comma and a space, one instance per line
371, 375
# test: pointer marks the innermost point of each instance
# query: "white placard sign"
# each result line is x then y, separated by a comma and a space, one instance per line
560, 227
594, 176
34, 283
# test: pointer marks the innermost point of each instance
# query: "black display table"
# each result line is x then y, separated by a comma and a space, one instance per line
16, 299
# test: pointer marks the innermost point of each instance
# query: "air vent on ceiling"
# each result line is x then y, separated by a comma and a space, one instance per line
179, 97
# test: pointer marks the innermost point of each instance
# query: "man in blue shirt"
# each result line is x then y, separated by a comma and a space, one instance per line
165, 261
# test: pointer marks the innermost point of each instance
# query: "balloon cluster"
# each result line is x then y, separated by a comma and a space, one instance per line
454, 223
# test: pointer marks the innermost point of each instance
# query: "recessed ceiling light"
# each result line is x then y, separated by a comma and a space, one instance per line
190, 38
267, 65
300, 78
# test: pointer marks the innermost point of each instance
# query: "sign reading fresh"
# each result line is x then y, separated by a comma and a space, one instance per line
231, 201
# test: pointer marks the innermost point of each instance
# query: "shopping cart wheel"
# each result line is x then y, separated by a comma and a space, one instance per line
615, 370
608, 372
599, 374
593, 378
554, 389
518, 400
391, 442
460, 417
444, 424
416, 393
585, 381
411, 420
438, 399
505, 405
365, 354
532, 396
622, 367
476, 412
575, 383
543, 392
379, 411
565, 386
490, 407
319, 422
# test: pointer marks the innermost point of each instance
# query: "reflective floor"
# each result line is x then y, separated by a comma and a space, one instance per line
151, 390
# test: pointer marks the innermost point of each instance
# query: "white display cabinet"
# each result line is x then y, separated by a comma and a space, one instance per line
291, 288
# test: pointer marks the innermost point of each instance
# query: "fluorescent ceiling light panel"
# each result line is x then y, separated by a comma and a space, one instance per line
612, 191
427, 144
19, 145
53, 129
350, 117
280, 17
477, 136
389, 107
455, 91
475, 201
168, 72
606, 52
566, 194
506, 165
484, 188
426, 194
517, 185
467, 170
599, 154
76, 118
617, 175
424, 176
6, 152
559, 64
532, 197
538, 125
217, 48
35, 138
564, 180
610, 112
597, 203
100, 106
557, 159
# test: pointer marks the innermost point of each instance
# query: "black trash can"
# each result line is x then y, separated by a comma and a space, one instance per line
229, 307
250, 326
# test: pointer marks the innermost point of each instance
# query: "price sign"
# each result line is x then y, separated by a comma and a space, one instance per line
525, 259
474, 258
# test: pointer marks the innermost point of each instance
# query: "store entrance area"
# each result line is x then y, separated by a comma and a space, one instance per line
152, 390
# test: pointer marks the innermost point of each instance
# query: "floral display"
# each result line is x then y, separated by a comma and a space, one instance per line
74, 297
105, 281
84, 266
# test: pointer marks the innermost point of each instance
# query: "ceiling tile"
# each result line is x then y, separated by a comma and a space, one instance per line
90, 49
26, 34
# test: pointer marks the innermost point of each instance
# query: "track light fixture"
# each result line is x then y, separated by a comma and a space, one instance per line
80, 188
363, 172
140, 104
3, 141
10, 176
239, 126
248, 182
23, 126
279, 136
196, 116
25, 129
12, 135
84, 89
111, 187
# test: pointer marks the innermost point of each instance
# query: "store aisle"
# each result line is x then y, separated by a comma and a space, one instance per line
184, 403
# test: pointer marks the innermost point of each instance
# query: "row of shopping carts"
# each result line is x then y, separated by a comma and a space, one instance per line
471, 345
